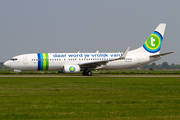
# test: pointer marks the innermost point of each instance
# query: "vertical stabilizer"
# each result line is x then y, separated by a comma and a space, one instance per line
154, 42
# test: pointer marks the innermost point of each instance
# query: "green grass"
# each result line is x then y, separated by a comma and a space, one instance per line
90, 98
102, 72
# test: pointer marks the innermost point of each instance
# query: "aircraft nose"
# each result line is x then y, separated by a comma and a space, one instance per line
7, 64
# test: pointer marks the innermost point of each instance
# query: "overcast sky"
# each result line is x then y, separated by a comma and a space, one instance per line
31, 26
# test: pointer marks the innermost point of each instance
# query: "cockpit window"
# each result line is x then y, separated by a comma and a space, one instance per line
13, 59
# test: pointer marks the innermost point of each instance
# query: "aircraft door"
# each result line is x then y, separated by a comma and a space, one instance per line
138, 59
25, 60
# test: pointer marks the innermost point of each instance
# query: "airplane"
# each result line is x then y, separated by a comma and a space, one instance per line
86, 62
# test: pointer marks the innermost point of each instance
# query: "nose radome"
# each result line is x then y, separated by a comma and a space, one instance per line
7, 64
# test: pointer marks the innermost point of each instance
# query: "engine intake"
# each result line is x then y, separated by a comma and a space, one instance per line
71, 69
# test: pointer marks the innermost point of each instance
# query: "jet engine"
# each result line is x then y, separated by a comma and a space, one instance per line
71, 69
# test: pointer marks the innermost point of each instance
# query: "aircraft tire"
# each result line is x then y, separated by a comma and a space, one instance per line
89, 73
84, 73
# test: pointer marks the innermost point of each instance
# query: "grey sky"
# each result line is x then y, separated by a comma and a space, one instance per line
31, 26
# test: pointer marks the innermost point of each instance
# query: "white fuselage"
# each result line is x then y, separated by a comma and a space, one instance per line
56, 61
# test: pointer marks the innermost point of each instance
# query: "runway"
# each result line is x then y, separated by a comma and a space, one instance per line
90, 76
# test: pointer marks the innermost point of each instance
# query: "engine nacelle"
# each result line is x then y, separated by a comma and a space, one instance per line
71, 69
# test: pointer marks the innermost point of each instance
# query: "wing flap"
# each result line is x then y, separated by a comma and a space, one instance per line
95, 64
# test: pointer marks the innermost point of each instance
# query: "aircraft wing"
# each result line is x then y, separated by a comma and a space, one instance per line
93, 64
99, 64
159, 55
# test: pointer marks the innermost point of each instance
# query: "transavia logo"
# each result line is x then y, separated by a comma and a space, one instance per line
153, 44
72, 69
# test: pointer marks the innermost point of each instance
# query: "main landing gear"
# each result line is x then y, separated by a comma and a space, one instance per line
87, 73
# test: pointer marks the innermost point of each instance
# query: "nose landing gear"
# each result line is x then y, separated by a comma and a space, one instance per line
20, 73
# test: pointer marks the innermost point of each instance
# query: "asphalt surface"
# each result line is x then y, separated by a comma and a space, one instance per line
90, 76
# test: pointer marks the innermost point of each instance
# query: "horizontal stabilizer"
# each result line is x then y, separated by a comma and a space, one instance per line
158, 55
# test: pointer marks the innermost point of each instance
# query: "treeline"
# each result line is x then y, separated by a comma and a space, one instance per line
1, 64
164, 65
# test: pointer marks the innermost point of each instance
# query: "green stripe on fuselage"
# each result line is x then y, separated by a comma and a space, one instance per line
47, 61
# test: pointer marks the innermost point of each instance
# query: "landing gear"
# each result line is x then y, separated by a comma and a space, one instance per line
87, 72
20, 73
